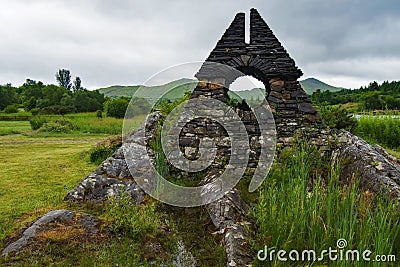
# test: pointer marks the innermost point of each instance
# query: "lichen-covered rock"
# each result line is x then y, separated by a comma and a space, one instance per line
113, 177
374, 167
228, 216
51, 221
184, 258
97, 188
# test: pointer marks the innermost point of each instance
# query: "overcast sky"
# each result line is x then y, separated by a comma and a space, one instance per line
106, 42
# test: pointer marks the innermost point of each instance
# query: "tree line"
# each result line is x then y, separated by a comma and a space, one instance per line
372, 97
66, 97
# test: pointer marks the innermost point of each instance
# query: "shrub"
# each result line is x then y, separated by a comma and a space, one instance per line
11, 109
58, 126
165, 106
337, 117
35, 111
105, 149
37, 122
57, 109
116, 107
99, 114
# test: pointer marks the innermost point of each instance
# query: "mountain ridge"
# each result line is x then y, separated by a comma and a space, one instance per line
309, 85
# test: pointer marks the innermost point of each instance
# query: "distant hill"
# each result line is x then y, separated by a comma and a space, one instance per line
253, 94
116, 91
151, 92
180, 86
311, 85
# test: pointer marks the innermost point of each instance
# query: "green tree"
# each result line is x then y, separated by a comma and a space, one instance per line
116, 107
8, 96
11, 109
63, 77
53, 94
88, 100
77, 84
31, 91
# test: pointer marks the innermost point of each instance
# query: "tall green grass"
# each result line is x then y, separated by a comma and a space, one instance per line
288, 216
384, 130
87, 123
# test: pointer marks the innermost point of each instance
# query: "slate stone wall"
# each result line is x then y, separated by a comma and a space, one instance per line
265, 59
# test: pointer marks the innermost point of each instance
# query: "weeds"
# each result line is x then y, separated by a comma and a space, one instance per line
105, 149
128, 219
290, 217
384, 130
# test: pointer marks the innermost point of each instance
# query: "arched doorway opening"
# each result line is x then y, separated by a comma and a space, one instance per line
248, 88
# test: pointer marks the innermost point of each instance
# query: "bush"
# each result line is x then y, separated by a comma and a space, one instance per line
37, 122
337, 117
35, 111
57, 109
99, 114
165, 106
105, 149
11, 109
58, 126
116, 107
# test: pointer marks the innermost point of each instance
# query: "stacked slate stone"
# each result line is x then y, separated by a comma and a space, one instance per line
265, 59
271, 58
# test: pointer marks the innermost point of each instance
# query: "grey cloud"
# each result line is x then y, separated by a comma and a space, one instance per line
125, 42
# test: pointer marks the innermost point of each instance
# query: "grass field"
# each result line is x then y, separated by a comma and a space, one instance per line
14, 127
37, 173
88, 123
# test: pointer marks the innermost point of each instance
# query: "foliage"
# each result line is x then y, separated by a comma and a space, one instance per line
63, 77
35, 111
8, 96
87, 123
77, 84
37, 122
371, 97
384, 130
99, 114
165, 106
56, 109
116, 107
104, 149
128, 219
88, 101
58, 126
337, 117
138, 106
119, 107
52, 99
234, 103
11, 109
315, 217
